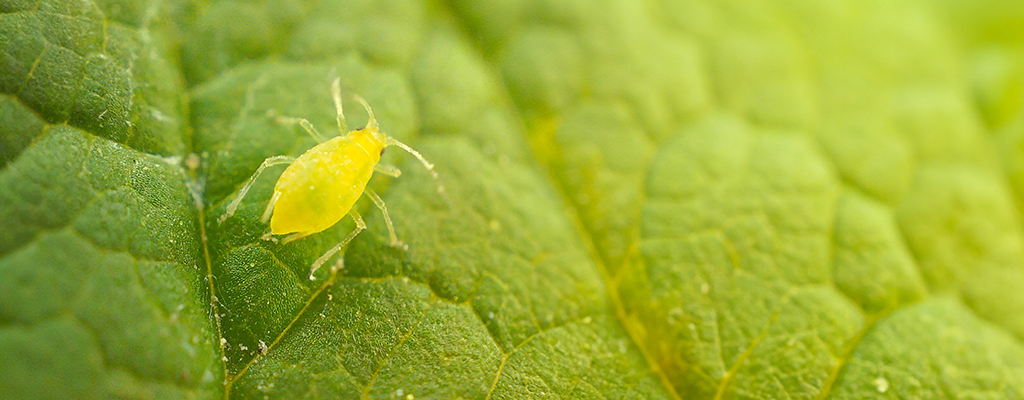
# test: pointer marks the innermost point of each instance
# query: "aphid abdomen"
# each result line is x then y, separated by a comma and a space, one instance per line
321, 186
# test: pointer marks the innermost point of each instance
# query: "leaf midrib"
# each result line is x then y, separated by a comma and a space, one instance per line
574, 213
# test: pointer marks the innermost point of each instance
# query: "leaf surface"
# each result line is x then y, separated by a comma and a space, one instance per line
660, 200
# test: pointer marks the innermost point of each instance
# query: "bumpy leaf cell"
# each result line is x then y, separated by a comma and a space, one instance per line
658, 199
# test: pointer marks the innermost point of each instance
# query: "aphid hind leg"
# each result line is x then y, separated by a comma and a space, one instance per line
269, 236
388, 170
270, 207
269, 162
294, 236
360, 225
379, 202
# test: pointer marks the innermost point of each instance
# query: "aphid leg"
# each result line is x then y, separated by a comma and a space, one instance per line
270, 161
360, 225
430, 167
293, 237
379, 202
305, 124
336, 93
387, 169
372, 122
270, 207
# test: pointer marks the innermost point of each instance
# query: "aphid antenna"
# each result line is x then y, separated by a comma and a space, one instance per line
372, 122
336, 94
250, 95
390, 141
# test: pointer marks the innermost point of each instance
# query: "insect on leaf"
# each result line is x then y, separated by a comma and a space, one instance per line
654, 200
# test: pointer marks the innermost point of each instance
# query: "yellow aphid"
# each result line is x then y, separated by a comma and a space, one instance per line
321, 186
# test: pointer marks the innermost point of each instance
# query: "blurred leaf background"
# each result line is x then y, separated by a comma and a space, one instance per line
658, 199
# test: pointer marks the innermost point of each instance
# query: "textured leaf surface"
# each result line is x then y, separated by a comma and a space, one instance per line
662, 200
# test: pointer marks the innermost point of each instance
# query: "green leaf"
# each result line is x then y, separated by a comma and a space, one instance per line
663, 200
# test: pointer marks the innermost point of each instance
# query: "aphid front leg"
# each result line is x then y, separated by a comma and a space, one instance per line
360, 225
379, 202
387, 169
305, 124
269, 162
426, 164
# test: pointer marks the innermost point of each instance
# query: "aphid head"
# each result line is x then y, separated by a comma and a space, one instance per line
370, 138
371, 128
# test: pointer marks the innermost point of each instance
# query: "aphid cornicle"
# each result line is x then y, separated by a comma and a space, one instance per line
322, 185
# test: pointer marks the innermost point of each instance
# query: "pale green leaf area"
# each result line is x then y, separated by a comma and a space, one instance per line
659, 199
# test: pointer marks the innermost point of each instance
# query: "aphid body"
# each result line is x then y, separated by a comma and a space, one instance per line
322, 185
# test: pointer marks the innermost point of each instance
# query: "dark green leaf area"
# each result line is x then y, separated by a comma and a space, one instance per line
20, 127
99, 279
223, 35
69, 64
